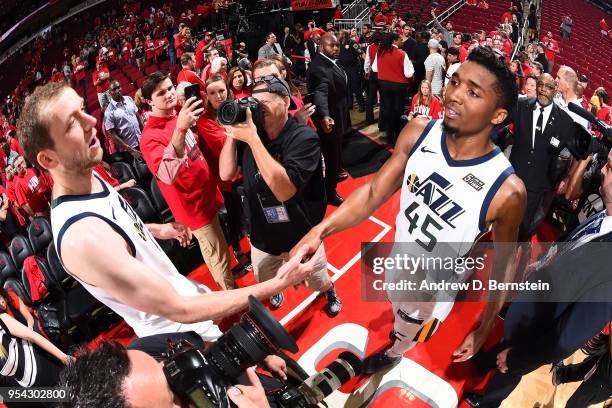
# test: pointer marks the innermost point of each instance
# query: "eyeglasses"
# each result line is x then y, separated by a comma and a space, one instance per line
115, 88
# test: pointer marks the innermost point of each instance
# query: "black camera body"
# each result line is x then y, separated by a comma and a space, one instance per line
202, 377
232, 112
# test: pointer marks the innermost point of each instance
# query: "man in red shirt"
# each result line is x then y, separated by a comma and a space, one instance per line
173, 154
551, 47
31, 191
126, 51
202, 48
161, 46
10, 192
101, 79
79, 73
604, 27
149, 49
112, 57
187, 74
11, 139
181, 40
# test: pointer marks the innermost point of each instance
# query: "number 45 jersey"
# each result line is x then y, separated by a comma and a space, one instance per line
446, 200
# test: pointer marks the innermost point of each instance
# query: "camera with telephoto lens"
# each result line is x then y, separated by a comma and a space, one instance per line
202, 377
232, 112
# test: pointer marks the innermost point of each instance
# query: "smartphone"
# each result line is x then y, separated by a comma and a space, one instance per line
308, 98
193, 90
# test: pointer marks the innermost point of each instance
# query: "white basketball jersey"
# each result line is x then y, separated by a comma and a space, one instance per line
110, 207
446, 200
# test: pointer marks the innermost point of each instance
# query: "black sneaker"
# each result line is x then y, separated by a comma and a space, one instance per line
379, 361
473, 400
334, 304
556, 375
277, 301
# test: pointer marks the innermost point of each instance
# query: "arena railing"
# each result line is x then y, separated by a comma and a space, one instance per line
353, 10
448, 12
524, 30
364, 17
72, 12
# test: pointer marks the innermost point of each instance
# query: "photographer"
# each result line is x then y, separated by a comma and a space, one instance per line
283, 183
111, 376
104, 244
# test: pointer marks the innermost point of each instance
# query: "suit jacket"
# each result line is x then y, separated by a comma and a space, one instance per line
311, 49
328, 82
536, 166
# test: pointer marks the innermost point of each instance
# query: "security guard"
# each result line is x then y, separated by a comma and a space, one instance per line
350, 59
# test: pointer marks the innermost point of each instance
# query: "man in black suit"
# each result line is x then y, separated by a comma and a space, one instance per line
540, 134
544, 327
329, 84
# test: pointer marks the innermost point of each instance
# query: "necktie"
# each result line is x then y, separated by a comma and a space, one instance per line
538, 129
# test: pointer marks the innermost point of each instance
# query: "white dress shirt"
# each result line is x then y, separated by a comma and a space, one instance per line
536, 114
581, 121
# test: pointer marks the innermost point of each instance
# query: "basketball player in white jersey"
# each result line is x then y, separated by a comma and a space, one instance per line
102, 242
474, 190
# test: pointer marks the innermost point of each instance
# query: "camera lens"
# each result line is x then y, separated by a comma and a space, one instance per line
247, 343
230, 113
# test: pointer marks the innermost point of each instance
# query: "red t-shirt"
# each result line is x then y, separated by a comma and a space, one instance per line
161, 43
463, 54
179, 44
112, 56
549, 54
57, 77
10, 193
604, 114
214, 138
149, 54
126, 51
199, 54
187, 75
433, 111
603, 25
106, 176
194, 197
79, 71
16, 146
507, 50
104, 85
32, 190
242, 93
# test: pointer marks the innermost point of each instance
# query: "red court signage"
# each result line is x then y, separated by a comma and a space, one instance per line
297, 5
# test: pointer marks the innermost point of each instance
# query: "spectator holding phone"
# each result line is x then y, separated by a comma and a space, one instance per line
173, 154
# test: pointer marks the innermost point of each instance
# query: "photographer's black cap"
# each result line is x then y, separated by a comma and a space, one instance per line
277, 86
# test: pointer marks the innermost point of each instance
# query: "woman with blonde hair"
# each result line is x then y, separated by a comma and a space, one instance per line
236, 83
424, 103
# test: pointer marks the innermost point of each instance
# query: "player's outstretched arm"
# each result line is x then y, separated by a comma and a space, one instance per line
362, 202
99, 256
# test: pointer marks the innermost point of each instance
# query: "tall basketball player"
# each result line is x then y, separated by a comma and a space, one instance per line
103, 243
455, 152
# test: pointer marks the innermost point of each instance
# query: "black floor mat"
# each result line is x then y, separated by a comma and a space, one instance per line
362, 156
